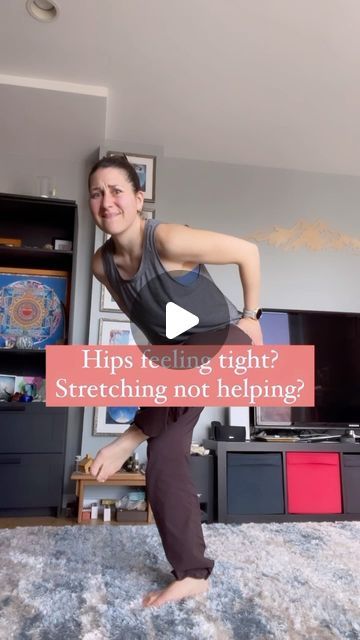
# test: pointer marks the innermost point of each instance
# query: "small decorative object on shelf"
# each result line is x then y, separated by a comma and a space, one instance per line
62, 244
128, 464
71, 509
108, 503
85, 464
10, 242
124, 515
25, 398
198, 449
107, 514
24, 342
46, 186
132, 507
86, 514
7, 387
136, 463
9, 342
133, 501
30, 389
94, 511
132, 464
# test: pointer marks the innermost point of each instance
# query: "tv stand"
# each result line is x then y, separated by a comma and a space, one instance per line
240, 476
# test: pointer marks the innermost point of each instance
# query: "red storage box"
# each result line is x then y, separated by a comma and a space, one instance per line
313, 483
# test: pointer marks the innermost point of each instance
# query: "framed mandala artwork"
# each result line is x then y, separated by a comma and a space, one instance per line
33, 305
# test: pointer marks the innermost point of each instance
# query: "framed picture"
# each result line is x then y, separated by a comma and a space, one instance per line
115, 332
33, 303
110, 421
147, 214
145, 167
7, 387
107, 302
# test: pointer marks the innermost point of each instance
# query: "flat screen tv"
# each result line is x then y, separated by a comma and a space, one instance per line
336, 337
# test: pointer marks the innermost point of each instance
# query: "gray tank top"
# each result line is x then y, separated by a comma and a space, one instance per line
145, 294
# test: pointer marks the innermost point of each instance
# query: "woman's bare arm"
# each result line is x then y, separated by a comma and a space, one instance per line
180, 243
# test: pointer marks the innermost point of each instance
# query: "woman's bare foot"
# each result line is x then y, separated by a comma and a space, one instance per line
186, 588
112, 457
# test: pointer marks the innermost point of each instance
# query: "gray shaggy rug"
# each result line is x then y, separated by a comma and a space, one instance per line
283, 581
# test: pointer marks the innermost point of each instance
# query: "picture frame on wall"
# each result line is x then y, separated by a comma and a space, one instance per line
145, 166
112, 421
109, 421
107, 302
148, 214
115, 332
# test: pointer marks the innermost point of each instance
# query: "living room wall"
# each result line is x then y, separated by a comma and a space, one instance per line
243, 201
228, 198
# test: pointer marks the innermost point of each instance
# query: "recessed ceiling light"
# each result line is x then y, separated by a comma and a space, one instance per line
42, 10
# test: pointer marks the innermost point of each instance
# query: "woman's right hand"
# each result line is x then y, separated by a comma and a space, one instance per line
252, 328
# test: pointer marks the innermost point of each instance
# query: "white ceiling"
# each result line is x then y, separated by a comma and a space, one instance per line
263, 82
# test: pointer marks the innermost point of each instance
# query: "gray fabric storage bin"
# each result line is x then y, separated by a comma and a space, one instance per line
255, 483
351, 483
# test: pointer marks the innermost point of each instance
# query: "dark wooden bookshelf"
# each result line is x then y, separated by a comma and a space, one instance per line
33, 436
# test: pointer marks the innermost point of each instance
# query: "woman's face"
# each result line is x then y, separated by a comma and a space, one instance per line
113, 203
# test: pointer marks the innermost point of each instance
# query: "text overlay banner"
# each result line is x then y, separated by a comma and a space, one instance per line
93, 375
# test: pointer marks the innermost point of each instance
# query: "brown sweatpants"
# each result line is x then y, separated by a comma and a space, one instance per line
170, 489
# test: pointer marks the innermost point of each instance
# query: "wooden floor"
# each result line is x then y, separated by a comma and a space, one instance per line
35, 521
48, 521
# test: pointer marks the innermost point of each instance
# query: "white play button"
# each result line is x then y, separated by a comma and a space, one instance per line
178, 320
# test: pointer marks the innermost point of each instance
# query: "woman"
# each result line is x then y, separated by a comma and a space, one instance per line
136, 250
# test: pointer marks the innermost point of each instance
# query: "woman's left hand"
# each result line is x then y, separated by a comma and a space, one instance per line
252, 328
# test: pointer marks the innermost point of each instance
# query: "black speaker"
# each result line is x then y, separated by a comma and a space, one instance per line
225, 433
